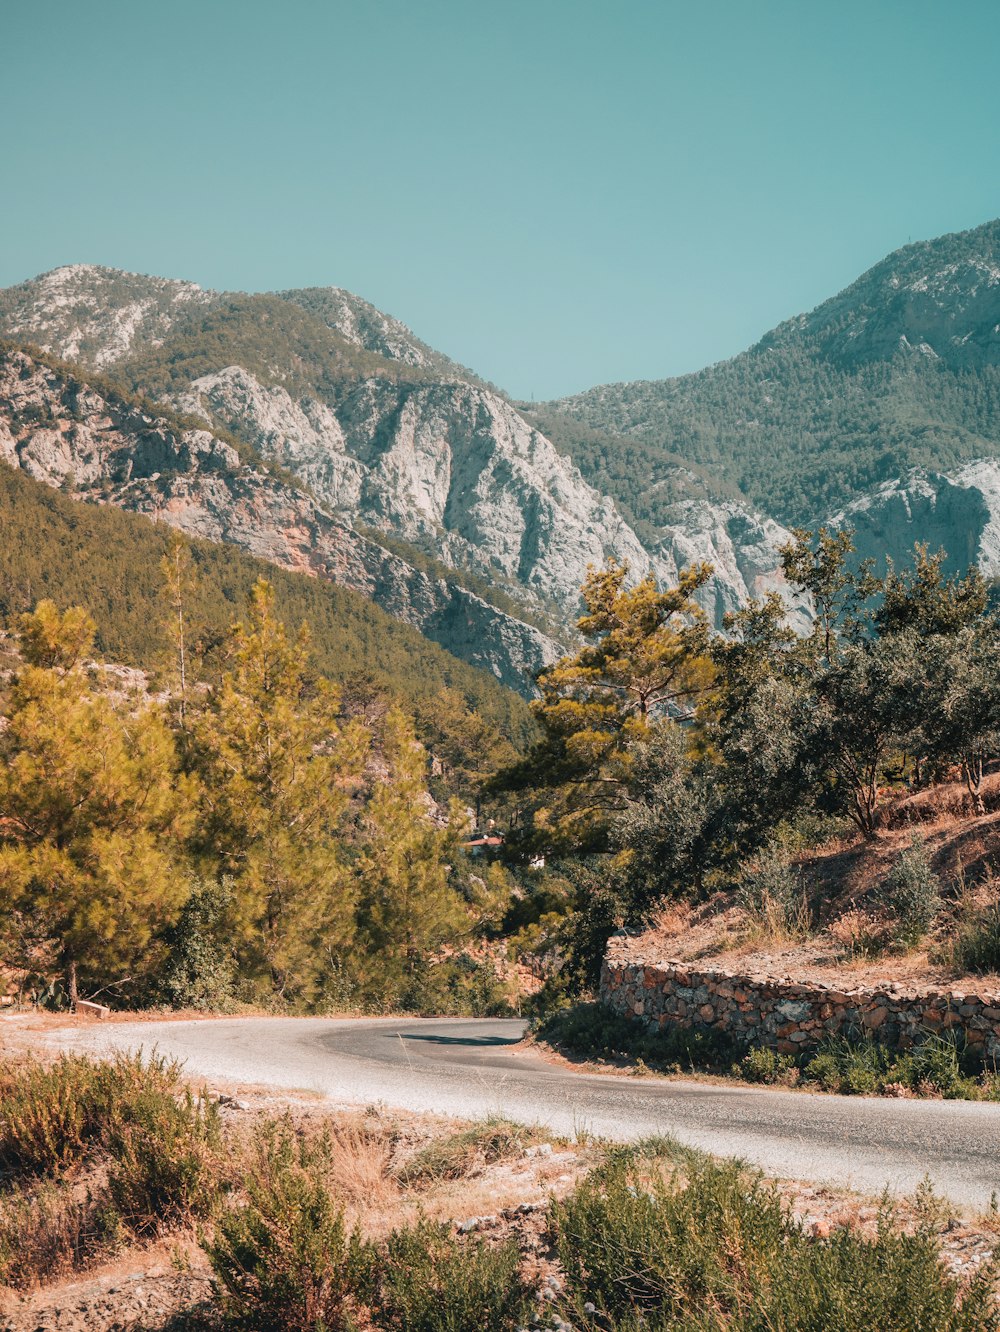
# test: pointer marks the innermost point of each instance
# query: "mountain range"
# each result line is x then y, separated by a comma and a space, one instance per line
313, 431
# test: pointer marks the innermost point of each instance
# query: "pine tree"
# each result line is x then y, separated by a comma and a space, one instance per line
278, 771
647, 659
408, 906
838, 592
92, 808
180, 586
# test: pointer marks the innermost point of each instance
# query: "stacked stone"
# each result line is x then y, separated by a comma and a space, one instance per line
790, 1015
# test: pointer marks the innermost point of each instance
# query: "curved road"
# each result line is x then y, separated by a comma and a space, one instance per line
471, 1068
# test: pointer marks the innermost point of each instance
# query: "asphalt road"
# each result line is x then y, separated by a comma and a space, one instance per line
471, 1068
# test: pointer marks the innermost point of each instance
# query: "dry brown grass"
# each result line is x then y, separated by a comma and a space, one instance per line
361, 1163
48, 1232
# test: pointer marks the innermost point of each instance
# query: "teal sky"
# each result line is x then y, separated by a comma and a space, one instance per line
557, 193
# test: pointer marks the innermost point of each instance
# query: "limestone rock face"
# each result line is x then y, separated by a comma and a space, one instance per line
426, 454
959, 512
66, 434
448, 466
61, 431
741, 547
82, 312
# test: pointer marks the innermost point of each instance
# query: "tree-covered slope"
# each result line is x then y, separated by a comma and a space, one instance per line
109, 561
900, 370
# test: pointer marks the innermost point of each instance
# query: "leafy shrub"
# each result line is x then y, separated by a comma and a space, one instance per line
762, 1064
712, 1247
977, 946
911, 894
284, 1260
429, 1283
592, 1029
165, 1165
458, 986
771, 893
200, 971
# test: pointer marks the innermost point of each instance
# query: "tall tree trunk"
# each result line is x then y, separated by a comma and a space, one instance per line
972, 770
71, 985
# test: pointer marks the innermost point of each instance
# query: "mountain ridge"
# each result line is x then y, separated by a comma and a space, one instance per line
881, 407
899, 370
67, 435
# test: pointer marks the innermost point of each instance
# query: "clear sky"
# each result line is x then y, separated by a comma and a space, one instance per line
557, 193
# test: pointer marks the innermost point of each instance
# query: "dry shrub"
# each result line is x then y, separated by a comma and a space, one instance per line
52, 1116
773, 898
50, 1232
860, 933
126, 1152
674, 919
360, 1163
166, 1168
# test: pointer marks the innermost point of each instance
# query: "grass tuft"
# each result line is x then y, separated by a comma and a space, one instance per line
469, 1151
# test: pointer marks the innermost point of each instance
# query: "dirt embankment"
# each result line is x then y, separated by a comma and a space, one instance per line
839, 884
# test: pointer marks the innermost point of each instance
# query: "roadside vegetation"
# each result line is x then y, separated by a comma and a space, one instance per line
851, 1065
323, 1221
251, 835
832, 793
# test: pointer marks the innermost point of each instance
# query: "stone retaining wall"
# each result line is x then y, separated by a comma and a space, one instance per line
791, 1015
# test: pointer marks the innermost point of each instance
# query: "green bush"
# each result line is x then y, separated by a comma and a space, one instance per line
977, 947
592, 1029
200, 971
762, 1064
712, 1247
771, 893
911, 895
459, 986
936, 1066
284, 1260
429, 1283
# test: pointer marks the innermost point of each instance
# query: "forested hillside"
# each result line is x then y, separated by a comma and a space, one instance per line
109, 561
901, 370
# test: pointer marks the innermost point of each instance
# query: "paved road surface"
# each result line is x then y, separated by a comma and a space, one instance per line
470, 1068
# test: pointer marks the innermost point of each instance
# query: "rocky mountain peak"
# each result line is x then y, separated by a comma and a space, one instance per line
938, 298
103, 449
362, 324
83, 312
